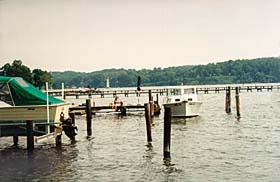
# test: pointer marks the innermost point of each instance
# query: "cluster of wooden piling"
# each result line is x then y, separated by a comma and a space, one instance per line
31, 131
29, 125
149, 115
228, 101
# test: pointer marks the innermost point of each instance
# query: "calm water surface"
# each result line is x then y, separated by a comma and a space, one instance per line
212, 147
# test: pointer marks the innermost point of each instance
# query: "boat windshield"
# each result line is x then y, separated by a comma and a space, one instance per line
5, 94
3, 104
17, 92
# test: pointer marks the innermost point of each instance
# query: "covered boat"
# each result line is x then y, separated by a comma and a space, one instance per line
21, 101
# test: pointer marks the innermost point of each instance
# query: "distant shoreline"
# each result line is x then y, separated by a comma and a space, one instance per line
261, 70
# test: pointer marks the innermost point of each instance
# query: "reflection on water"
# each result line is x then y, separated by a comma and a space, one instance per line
211, 147
44, 164
183, 121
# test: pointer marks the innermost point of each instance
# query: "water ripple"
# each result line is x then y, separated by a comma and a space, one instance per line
212, 147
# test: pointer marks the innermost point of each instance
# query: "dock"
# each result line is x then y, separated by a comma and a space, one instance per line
80, 110
161, 90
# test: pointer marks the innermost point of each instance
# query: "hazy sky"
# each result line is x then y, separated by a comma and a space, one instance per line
90, 35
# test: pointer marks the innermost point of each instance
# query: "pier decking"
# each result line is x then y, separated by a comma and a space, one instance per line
161, 90
80, 110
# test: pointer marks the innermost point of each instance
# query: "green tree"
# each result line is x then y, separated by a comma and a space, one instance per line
17, 69
40, 77
238, 71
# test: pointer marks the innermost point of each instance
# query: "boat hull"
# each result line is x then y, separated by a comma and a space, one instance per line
185, 108
37, 114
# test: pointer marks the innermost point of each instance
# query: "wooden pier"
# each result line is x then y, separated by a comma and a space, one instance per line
80, 110
161, 90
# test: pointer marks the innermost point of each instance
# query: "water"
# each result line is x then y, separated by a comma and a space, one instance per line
212, 147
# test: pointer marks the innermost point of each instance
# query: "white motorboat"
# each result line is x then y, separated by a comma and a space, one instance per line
184, 104
20, 101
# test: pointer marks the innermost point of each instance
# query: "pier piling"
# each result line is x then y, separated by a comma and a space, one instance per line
152, 110
72, 116
228, 100
157, 99
150, 95
237, 102
151, 102
148, 122
30, 136
15, 140
58, 141
217, 90
167, 133
89, 117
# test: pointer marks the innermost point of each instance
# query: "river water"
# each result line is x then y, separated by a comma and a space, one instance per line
212, 147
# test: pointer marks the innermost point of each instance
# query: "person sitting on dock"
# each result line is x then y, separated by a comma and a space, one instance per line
122, 109
117, 102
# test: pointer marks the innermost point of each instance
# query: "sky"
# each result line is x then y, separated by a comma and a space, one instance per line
91, 35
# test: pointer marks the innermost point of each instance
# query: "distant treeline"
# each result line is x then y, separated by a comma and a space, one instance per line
261, 70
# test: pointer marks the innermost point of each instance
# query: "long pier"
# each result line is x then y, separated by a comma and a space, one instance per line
161, 90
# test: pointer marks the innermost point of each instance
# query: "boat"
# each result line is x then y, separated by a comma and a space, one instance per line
20, 101
184, 104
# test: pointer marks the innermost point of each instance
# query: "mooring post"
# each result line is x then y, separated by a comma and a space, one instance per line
72, 116
15, 139
151, 102
30, 136
228, 100
237, 102
58, 140
167, 133
148, 122
157, 98
89, 117
150, 95
152, 110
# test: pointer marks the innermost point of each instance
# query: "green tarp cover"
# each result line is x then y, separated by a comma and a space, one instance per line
23, 93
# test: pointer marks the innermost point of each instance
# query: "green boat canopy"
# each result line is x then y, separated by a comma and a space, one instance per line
18, 92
